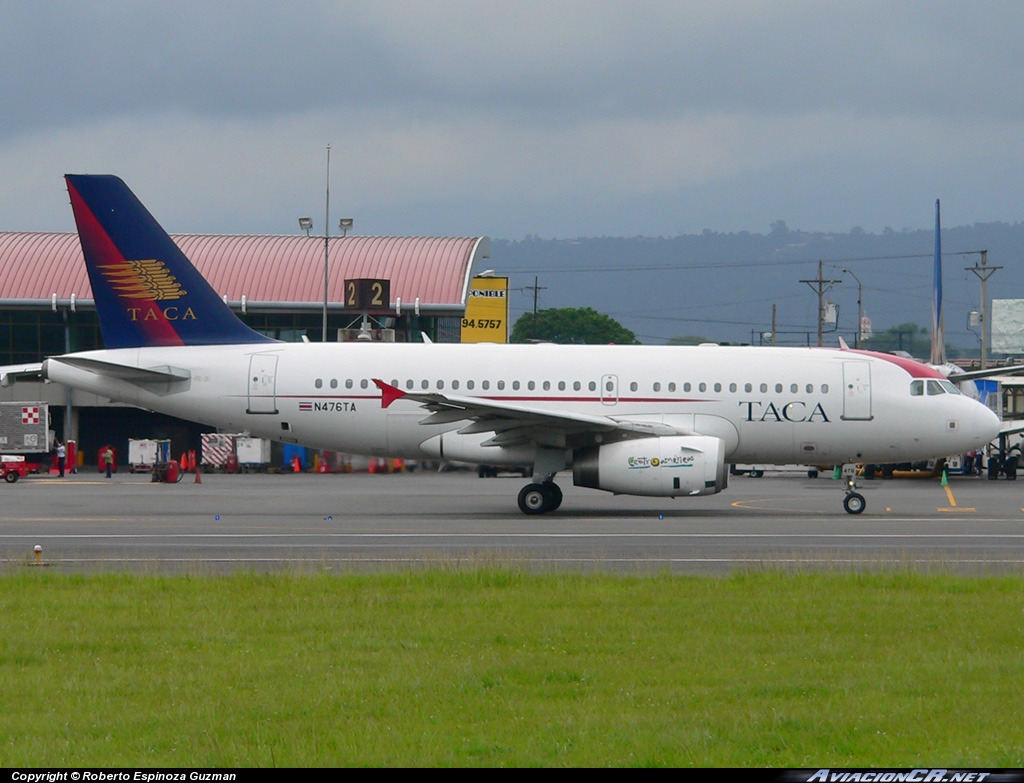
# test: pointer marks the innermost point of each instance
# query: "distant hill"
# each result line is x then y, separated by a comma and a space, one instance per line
722, 286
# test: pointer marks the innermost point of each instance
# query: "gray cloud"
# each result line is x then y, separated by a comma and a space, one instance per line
549, 118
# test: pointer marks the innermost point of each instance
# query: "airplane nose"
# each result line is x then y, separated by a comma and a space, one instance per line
986, 423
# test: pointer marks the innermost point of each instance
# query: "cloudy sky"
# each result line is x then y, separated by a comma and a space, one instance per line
558, 119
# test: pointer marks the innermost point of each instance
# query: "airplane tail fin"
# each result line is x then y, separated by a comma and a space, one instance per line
147, 292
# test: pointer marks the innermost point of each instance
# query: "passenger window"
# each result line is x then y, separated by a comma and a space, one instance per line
319, 383
349, 383
561, 386
334, 383
531, 385
672, 386
592, 386
455, 384
824, 388
703, 387
485, 385
547, 385
810, 388
515, 385
501, 385
469, 385
778, 388
632, 386
424, 383
576, 386
364, 384
657, 386
440, 385
408, 384
764, 388
916, 388
748, 387
687, 386
794, 388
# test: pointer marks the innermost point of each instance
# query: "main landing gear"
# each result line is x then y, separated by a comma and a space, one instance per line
854, 502
540, 498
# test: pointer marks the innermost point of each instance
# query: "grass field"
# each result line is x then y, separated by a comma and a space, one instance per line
493, 666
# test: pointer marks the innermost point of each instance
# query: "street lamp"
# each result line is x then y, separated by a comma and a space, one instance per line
345, 225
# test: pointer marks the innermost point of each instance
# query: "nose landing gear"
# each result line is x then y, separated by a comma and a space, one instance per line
854, 502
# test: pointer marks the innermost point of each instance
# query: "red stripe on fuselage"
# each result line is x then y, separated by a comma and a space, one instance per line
915, 368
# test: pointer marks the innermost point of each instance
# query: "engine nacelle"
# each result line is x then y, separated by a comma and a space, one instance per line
662, 467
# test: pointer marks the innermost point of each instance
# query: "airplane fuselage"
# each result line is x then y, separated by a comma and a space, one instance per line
771, 405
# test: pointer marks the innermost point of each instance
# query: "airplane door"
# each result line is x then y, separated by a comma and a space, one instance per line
609, 389
262, 383
856, 391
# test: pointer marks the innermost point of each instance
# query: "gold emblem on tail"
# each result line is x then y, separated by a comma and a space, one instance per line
147, 280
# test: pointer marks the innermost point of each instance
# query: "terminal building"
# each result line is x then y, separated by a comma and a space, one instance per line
276, 284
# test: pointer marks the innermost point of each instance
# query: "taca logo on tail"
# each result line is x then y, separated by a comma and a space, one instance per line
147, 292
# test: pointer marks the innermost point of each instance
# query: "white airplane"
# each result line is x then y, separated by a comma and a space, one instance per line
638, 420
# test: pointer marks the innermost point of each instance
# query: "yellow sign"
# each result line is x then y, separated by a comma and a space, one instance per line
486, 318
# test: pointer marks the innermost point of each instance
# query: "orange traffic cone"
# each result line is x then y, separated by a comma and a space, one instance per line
296, 466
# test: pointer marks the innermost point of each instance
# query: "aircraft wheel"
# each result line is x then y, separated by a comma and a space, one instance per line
11, 477
854, 503
812, 474
757, 473
533, 499
554, 493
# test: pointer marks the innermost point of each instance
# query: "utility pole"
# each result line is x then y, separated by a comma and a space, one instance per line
983, 272
821, 287
774, 324
536, 290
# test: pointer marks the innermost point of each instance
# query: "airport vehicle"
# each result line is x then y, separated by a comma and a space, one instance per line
640, 420
24, 428
144, 454
14, 466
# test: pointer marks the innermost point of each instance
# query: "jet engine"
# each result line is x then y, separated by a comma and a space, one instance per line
663, 467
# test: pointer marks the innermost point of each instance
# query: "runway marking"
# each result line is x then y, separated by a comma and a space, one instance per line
513, 536
952, 502
767, 560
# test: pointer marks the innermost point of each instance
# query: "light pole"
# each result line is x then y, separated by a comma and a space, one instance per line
345, 225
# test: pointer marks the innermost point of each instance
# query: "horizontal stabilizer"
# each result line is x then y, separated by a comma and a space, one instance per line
124, 372
14, 373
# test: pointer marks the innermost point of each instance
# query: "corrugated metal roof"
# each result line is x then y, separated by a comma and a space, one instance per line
34, 266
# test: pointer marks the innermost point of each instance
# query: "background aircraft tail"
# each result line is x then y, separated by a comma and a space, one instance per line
147, 292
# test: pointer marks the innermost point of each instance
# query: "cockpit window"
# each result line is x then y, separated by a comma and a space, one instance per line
950, 387
916, 388
934, 387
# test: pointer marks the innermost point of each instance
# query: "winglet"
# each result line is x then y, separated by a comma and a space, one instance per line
843, 346
388, 393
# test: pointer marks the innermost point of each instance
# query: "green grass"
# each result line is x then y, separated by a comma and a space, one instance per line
492, 666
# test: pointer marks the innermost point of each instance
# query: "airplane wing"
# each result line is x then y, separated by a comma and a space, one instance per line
514, 424
12, 373
1017, 369
1011, 427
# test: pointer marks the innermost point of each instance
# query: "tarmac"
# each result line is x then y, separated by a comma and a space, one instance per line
360, 522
